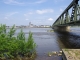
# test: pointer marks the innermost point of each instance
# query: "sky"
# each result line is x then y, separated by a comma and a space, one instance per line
38, 12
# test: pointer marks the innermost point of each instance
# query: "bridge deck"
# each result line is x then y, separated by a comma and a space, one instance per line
71, 54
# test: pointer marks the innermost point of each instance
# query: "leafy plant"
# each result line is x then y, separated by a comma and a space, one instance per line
11, 46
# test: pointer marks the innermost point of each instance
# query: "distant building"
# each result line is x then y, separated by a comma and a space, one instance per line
47, 25
7, 26
29, 24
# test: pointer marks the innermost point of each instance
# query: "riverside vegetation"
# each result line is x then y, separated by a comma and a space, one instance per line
12, 46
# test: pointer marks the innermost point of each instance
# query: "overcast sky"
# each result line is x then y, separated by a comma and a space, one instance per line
38, 12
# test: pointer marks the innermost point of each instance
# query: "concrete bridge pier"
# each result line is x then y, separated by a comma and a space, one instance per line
62, 28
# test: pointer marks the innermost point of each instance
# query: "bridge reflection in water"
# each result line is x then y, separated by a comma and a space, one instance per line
68, 40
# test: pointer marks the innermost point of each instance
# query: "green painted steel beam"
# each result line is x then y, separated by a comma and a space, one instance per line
71, 4
61, 20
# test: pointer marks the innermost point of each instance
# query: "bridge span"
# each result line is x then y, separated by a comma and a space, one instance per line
69, 17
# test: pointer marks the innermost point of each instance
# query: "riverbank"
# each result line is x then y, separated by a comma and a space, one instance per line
71, 54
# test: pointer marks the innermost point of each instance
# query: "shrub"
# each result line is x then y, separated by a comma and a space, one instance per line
11, 46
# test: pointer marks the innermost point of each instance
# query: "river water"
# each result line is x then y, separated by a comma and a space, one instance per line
53, 41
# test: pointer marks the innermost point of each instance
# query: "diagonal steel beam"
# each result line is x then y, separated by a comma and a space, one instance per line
71, 4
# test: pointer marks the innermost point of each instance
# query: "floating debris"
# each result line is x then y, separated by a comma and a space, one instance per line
60, 51
55, 53
49, 54
50, 30
59, 54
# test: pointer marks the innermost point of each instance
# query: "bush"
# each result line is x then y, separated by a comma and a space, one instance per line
11, 46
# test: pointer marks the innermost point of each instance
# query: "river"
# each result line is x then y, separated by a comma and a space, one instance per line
53, 41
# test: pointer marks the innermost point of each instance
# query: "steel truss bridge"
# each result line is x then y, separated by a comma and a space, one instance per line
70, 16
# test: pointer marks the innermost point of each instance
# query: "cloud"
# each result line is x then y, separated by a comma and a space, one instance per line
57, 16
30, 13
13, 2
57, 1
27, 19
39, 12
25, 14
50, 19
37, 2
6, 18
9, 15
12, 13
41, 1
44, 11
61, 10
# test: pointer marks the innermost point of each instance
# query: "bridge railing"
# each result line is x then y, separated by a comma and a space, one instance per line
70, 15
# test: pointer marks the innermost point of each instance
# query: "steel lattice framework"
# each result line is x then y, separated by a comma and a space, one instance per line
70, 16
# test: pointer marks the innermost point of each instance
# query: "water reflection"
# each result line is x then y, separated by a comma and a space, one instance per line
68, 40
53, 41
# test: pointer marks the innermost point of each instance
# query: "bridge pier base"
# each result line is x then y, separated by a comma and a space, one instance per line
62, 28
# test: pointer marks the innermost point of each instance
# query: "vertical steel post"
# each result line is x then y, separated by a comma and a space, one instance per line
67, 20
75, 9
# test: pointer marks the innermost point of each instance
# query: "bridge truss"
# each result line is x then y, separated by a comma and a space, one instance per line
70, 16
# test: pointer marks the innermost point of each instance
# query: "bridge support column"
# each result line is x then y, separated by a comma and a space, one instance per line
62, 28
